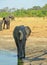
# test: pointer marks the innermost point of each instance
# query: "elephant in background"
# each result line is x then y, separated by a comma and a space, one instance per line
6, 22
20, 34
1, 22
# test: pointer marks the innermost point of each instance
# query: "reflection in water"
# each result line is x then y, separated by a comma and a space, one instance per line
20, 62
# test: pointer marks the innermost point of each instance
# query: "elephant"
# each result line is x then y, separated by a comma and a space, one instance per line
20, 34
1, 22
6, 21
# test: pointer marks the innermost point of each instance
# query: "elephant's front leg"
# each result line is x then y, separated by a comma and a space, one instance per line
23, 48
8, 26
4, 26
19, 49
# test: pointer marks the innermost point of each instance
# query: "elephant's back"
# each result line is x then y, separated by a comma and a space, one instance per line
7, 19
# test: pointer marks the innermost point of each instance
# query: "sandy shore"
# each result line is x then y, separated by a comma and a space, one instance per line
36, 49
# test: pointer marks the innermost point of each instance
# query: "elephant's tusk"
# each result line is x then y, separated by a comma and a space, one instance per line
21, 34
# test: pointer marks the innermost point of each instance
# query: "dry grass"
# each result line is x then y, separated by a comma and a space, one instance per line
37, 25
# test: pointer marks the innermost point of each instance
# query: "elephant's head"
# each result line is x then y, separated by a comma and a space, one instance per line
12, 17
6, 19
21, 32
27, 30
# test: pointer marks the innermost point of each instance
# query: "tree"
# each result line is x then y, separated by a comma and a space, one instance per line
36, 8
44, 7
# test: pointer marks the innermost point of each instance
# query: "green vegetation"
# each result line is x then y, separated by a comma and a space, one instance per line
36, 11
2, 14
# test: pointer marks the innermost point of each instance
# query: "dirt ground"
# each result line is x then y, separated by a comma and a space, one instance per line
37, 25
36, 44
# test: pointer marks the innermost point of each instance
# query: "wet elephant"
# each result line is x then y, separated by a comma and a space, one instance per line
20, 35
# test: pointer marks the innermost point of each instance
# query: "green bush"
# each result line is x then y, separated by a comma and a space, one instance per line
26, 13
3, 14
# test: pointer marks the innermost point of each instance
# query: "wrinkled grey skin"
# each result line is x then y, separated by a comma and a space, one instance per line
20, 36
1, 22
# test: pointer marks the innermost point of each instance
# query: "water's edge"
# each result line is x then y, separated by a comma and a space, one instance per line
8, 57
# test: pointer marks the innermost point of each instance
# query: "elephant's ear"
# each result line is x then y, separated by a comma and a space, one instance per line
20, 35
12, 17
28, 31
